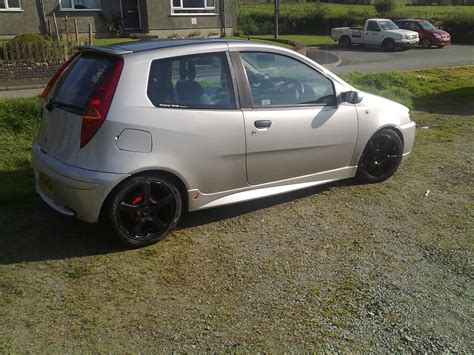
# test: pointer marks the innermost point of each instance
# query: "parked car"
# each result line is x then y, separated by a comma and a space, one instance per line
135, 134
429, 34
376, 32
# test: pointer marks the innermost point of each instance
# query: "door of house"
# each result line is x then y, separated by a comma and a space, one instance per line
131, 14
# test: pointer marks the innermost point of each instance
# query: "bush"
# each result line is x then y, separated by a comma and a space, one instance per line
385, 7
28, 38
460, 27
194, 34
295, 23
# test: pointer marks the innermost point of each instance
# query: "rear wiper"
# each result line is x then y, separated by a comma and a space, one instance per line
52, 104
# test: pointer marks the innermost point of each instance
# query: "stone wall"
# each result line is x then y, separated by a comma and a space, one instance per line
12, 72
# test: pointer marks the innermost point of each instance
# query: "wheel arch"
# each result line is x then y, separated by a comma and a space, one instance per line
356, 159
165, 174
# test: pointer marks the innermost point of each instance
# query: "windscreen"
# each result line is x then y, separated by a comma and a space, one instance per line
78, 82
387, 25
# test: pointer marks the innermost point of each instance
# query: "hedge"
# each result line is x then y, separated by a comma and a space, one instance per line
460, 27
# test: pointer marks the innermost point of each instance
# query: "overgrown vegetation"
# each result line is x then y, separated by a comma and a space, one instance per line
341, 268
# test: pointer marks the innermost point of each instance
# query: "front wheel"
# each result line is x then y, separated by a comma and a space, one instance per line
388, 45
381, 157
144, 210
426, 43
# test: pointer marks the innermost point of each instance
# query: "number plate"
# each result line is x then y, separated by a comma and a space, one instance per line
46, 183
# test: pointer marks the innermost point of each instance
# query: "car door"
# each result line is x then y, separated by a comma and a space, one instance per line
373, 34
293, 124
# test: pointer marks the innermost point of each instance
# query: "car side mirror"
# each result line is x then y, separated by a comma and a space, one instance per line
352, 97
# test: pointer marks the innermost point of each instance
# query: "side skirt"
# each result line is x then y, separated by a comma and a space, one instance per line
198, 200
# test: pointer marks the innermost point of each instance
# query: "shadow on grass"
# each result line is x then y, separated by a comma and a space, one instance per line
31, 231
452, 102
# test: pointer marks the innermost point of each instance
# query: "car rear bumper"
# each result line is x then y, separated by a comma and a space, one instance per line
408, 131
70, 190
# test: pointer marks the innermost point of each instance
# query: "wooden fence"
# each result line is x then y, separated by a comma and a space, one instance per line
34, 53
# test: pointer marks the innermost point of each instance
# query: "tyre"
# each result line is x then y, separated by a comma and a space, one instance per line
381, 157
144, 210
345, 42
388, 45
426, 43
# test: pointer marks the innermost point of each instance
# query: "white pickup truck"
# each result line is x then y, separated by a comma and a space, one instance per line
376, 32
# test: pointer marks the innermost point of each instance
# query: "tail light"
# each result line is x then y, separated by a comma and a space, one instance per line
57, 75
99, 103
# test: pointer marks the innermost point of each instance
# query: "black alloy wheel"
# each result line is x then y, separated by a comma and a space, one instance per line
145, 210
381, 157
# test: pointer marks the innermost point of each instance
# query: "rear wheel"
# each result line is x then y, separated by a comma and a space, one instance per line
345, 42
388, 45
426, 43
145, 209
381, 157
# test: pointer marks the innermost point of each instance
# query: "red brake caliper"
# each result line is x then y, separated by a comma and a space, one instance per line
135, 201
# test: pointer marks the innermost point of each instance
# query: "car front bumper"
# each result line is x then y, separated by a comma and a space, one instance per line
407, 42
408, 132
71, 190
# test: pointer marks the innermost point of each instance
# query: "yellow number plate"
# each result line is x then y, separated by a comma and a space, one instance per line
46, 183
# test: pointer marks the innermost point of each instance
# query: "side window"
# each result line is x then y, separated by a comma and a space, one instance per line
194, 81
372, 26
401, 24
278, 80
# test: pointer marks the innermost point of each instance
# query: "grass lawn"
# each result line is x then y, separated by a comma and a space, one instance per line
105, 41
345, 267
368, 10
309, 40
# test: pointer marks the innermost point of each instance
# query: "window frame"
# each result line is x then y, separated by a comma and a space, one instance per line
234, 85
247, 88
11, 9
61, 8
182, 8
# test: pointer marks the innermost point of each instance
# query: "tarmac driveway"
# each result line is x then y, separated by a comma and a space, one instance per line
375, 60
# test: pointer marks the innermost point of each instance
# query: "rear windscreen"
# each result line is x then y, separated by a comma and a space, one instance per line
79, 80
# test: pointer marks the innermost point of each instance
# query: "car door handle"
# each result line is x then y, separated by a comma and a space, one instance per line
260, 124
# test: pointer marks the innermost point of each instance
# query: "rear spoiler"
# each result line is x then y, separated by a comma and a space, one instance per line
111, 50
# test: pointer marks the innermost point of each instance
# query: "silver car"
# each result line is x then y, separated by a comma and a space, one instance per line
135, 134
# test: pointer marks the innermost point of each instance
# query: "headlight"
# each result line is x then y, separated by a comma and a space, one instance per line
437, 35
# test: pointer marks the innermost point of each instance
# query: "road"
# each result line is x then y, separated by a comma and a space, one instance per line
374, 59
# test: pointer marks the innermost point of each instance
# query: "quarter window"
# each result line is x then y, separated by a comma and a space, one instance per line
193, 7
195, 81
278, 80
79, 4
10, 5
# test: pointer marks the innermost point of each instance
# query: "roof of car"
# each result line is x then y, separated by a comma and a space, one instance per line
141, 46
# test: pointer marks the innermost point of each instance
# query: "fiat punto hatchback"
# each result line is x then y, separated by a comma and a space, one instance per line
135, 134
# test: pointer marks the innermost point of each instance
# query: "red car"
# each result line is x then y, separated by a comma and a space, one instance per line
429, 35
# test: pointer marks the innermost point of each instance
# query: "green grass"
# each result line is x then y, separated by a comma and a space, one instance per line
105, 41
280, 277
309, 40
447, 91
331, 10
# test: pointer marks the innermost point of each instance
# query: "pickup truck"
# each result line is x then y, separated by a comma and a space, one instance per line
376, 32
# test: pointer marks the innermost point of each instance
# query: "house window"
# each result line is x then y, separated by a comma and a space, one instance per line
12, 5
193, 7
74, 5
